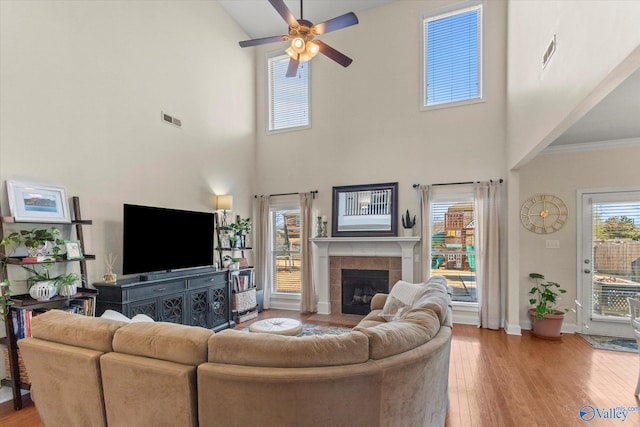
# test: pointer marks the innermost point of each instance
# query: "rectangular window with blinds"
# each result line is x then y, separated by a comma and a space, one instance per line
452, 51
288, 96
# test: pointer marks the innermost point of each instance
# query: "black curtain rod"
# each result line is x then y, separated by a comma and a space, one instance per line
456, 183
313, 192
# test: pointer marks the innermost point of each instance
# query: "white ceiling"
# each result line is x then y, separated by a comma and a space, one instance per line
259, 19
614, 118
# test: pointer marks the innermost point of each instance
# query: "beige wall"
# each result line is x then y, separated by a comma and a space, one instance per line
83, 84
367, 126
563, 175
593, 38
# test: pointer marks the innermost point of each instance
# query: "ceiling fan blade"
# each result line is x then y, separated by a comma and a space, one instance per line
284, 11
292, 69
336, 23
330, 52
264, 40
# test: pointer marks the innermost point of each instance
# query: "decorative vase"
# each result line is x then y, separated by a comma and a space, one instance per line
68, 290
110, 278
319, 227
548, 327
43, 291
38, 251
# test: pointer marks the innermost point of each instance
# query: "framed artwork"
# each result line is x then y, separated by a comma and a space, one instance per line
73, 249
31, 202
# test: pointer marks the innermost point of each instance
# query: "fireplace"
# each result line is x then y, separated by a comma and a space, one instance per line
359, 287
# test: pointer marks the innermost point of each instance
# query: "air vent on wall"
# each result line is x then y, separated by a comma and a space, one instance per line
549, 52
171, 120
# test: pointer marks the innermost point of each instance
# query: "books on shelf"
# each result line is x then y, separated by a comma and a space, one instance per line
242, 280
21, 317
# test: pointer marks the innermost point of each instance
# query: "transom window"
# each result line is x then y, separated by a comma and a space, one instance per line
452, 50
288, 97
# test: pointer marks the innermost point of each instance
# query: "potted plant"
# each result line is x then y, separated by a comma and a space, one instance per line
231, 262
241, 228
38, 241
546, 318
408, 223
67, 284
5, 299
42, 286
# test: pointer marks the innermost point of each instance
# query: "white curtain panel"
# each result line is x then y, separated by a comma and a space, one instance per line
263, 249
308, 290
425, 223
488, 199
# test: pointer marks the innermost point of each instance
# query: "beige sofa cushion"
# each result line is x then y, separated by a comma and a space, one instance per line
73, 329
277, 351
165, 341
417, 326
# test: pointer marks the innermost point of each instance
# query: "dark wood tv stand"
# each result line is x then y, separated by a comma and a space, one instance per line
198, 297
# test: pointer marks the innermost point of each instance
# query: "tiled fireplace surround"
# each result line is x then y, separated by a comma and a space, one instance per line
332, 254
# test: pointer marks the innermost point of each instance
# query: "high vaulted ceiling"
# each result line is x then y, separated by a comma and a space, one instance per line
614, 118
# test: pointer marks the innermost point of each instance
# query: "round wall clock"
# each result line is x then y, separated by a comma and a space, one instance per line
544, 213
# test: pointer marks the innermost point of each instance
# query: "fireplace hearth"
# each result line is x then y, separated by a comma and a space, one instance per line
359, 287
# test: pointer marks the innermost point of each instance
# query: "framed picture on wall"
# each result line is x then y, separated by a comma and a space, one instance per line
74, 251
30, 202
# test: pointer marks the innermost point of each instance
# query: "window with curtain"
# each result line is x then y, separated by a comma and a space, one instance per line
453, 249
452, 49
288, 96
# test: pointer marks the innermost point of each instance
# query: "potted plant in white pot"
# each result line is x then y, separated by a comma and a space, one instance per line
42, 286
408, 223
546, 318
38, 241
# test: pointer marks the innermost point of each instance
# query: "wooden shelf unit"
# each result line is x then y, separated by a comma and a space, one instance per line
25, 300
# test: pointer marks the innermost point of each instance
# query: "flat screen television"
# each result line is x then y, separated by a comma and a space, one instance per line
160, 239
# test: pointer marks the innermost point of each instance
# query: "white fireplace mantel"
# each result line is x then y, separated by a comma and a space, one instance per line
357, 246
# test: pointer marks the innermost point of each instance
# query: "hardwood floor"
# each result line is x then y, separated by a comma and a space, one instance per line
497, 379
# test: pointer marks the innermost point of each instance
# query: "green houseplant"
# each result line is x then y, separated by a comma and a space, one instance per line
546, 318
408, 223
37, 240
5, 299
42, 285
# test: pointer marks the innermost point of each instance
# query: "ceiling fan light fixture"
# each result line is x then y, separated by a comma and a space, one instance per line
298, 45
312, 49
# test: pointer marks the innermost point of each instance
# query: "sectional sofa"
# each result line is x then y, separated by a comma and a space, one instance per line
390, 370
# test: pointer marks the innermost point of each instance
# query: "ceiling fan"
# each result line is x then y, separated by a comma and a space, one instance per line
304, 46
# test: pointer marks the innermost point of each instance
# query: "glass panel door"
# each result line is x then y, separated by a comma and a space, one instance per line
610, 261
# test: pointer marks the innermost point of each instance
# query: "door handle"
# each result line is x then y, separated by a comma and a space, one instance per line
586, 270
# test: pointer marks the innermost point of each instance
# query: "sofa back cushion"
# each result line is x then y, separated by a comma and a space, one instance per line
277, 351
165, 341
76, 330
417, 327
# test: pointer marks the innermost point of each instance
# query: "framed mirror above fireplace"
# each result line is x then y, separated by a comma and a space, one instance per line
365, 210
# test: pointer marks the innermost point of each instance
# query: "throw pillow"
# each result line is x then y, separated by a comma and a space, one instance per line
400, 299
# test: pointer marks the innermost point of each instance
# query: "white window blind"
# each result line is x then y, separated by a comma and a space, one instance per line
452, 57
288, 96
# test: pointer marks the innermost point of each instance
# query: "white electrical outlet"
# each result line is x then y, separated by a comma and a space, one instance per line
553, 244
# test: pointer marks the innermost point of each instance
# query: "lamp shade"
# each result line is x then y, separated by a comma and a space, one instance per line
225, 202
